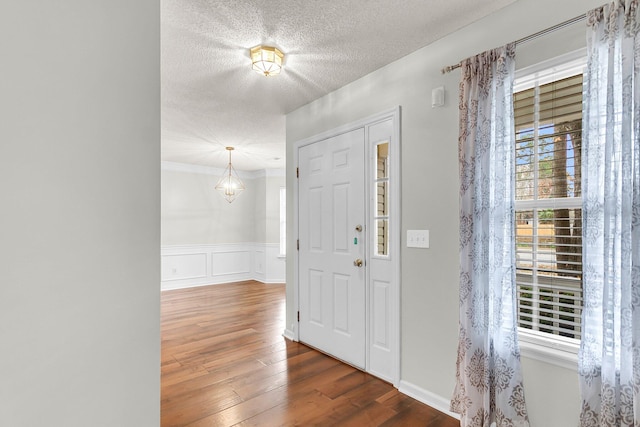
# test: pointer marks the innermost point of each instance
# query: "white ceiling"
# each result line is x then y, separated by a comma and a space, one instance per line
211, 98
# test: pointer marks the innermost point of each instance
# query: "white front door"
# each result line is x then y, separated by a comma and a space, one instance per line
331, 224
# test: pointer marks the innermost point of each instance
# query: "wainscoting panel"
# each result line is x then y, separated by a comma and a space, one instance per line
225, 263
200, 265
274, 262
259, 261
184, 266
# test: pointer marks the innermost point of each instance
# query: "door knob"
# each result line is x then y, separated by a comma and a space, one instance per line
358, 262
358, 227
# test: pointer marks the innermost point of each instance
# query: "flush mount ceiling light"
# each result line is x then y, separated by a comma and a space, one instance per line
266, 60
230, 184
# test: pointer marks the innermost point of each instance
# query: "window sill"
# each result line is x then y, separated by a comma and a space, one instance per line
557, 351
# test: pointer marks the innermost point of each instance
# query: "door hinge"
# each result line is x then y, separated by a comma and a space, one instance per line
298, 244
297, 172
298, 316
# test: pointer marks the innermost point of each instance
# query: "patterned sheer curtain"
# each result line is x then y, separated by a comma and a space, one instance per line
488, 378
610, 348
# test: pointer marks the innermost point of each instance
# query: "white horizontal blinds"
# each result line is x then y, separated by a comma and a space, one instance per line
381, 215
548, 120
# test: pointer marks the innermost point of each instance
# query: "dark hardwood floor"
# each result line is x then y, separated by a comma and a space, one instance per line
225, 363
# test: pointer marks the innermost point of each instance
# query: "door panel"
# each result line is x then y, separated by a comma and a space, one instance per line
341, 218
331, 205
315, 297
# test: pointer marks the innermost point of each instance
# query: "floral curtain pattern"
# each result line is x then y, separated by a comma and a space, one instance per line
609, 361
488, 378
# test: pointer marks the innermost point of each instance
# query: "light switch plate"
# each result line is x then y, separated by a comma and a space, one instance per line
418, 239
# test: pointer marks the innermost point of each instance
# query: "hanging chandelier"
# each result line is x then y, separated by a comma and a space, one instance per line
229, 184
266, 60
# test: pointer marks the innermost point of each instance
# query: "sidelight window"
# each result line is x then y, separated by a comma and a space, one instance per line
381, 199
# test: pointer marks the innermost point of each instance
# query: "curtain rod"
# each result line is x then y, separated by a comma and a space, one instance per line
530, 37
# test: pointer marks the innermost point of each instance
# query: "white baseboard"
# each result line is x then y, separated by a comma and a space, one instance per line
187, 266
288, 334
427, 397
184, 284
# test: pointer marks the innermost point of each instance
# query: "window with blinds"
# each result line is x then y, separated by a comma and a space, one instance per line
381, 216
548, 125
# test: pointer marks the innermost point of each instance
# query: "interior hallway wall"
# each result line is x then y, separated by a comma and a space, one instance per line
79, 223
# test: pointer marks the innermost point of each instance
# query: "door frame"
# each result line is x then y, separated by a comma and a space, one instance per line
394, 229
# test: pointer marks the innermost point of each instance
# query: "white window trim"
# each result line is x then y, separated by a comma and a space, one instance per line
557, 68
556, 350
552, 349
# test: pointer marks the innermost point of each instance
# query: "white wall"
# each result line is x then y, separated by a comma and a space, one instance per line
267, 212
194, 212
79, 223
207, 240
430, 191
273, 209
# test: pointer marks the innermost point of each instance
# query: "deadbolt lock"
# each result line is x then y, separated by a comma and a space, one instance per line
358, 227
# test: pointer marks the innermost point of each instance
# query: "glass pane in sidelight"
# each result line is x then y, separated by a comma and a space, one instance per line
382, 237
382, 160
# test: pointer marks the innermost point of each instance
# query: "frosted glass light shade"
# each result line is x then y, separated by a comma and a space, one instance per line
266, 60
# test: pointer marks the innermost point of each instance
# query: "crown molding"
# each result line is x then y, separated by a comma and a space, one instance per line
270, 173
209, 170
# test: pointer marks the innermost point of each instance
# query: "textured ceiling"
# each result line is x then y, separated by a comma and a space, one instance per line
211, 98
